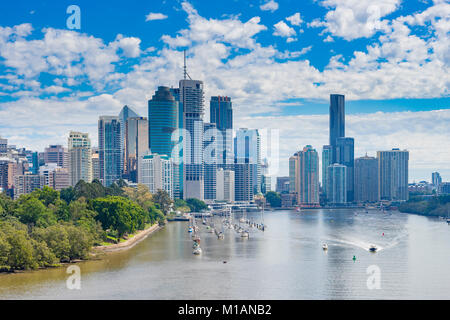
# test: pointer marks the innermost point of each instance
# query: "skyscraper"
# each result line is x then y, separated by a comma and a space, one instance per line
436, 179
95, 164
282, 185
337, 120
221, 113
307, 177
210, 142
247, 159
345, 155
192, 98
56, 154
225, 185
293, 174
136, 145
337, 184
3, 145
164, 117
80, 159
393, 174
327, 157
366, 179
124, 114
109, 148
156, 173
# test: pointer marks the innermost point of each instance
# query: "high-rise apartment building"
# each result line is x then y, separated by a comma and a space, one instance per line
109, 147
393, 174
282, 185
192, 99
57, 154
225, 185
27, 183
307, 178
366, 179
337, 184
221, 113
95, 164
156, 172
210, 143
327, 158
136, 146
436, 179
247, 159
3, 145
80, 158
345, 155
124, 114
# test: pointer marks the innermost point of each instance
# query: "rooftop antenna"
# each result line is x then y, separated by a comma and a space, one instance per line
185, 68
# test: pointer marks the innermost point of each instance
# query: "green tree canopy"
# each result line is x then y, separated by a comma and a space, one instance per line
196, 205
274, 199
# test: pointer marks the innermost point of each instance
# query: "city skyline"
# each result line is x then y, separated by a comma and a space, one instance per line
412, 117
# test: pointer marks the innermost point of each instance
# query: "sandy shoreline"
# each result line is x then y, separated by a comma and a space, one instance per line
128, 244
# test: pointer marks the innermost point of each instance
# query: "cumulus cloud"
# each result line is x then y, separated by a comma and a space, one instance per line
271, 6
155, 16
281, 29
295, 19
226, 54
352, 19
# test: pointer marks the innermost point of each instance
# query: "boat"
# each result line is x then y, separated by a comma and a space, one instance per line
204, 221
373, 248
211, 230
197, 251
220, 236
195, 245
190, 230
448, 221
325, 246
244, 234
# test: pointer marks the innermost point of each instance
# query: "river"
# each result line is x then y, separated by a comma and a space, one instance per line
284, 262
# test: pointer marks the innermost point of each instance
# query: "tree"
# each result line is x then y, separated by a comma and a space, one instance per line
33, 212
68, 195
181, 205
57, 240
274, 199
47, 195
162, 198
119, 214
196, 205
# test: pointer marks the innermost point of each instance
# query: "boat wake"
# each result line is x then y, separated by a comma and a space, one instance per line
355, 243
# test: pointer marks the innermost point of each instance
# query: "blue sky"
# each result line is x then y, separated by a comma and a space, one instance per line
278, 60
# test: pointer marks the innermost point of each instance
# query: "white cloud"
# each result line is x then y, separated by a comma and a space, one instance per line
155, 16
271, 6
281, 29
295, 19
352, 19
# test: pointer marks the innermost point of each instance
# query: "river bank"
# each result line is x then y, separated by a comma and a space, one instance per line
128, 244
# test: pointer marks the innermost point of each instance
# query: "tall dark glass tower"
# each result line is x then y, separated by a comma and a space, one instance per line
337, 120
163, 125
345, 155
221, 113
109, 149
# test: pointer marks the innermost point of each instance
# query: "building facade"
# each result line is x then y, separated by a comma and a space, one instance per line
221, 113
27, 183
109, 147
337, 184
136, 145
337, 121
393, 174
156, 172
282, 185
345, 155
307, 177
80, 157
225, 185
366, 179
327, 157
192, 99
57, 154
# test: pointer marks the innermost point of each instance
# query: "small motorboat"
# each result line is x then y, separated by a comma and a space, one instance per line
190, 230
325, 246
373, 248
448, 221
197, 251
244, 234
220, 236
204, 221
